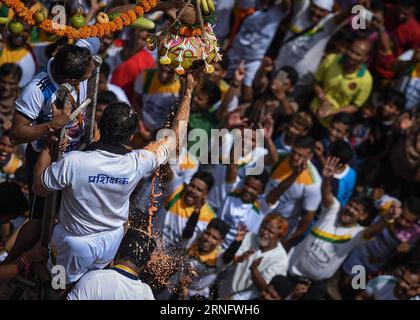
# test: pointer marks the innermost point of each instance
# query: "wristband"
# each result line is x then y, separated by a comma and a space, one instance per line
390, 221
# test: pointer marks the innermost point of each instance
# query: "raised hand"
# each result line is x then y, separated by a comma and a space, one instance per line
268, 126
245, 256
300, 166
240, 73
241, 232
199, 203
330, 167
267, 64
394, 212
324, 109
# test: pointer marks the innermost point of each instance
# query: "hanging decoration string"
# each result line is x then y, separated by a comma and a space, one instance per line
98, 30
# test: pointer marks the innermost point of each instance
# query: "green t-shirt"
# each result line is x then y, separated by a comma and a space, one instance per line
205, 121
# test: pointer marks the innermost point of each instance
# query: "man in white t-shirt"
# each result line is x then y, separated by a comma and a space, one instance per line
224, 10
295, 186
96, 185
244, 203
121, 282
253, 39
34, 119
336, 233
404, 285
312, 26
259, 257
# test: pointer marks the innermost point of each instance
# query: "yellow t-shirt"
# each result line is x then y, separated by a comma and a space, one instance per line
178, 213
341, 89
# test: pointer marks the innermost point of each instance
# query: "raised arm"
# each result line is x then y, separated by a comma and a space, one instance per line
234, 90
283, 186
232, 169
393, 213
268, 127
328, 172
179, 127
189, 229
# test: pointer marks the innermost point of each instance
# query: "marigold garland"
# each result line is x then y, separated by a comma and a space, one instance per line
97, 30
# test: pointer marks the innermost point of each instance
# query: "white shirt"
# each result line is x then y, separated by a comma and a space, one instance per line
223, 15
256, 33
28, 66
382, 288
235, 212
302, 195
122, 97
238, 284
218, 194
35, 101
325, 248
305, 52
97, 185
109, 285
113, 57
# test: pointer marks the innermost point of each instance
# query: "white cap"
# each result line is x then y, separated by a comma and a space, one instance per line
93, 44
324, 4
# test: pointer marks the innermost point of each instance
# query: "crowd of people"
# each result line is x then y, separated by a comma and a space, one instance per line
338, 199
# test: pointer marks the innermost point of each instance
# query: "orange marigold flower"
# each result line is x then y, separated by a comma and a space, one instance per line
113, 26
153, 3
126, 19
118, 22
146, 5
132, 15
139, 10
196, 32
107, 29
94, 31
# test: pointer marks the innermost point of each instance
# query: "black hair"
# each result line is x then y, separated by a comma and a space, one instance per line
365, 201
12, 200
105, 69
123, 256
118, 123
395, 98
107, 98
306, 142
344, 118
342, 150
263, 178
212, 90
13, 69
206, 177
413, 204
282, 285
291, 74
49, 50
220, 226
72, 62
